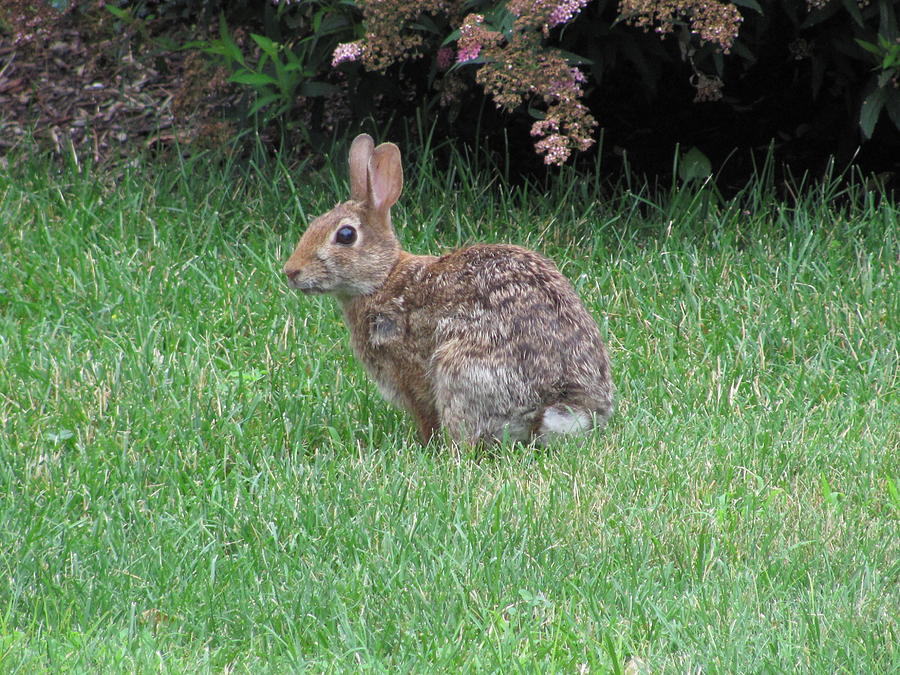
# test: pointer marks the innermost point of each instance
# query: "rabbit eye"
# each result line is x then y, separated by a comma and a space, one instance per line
346, 235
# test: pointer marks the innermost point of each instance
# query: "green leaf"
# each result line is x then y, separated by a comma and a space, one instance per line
253, 79
231, 50
477, 61
884, 78
893, 491
268, 46
453, 37
751, 4
426, 23
314, 89
853, 9
890, 60
892, 105
574, 59
500, 19
317, 20
122, 14
719, 62
887, 21
869, 47
333, 23
334, 435
819, 15
871, 110
739, 48
263, 101
194, 44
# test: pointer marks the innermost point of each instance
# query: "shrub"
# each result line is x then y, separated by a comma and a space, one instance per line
548, 58
316, 65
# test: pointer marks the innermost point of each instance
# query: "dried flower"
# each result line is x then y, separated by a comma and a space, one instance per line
713, 21
388, 37
523, 69
708, 88
800, 49
451, 88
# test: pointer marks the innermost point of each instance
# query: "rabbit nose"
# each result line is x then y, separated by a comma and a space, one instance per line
291, 274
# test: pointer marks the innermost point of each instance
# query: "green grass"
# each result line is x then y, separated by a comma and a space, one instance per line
195, 476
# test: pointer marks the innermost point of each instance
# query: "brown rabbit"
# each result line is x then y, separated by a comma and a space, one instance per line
489, 341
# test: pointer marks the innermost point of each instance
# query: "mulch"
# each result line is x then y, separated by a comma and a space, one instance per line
91, 86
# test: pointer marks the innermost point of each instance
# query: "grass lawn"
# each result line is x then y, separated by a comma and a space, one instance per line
195, 475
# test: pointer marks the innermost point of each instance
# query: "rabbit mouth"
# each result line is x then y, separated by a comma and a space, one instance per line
307, 286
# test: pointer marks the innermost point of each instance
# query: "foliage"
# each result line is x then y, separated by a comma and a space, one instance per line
319, 65
285, 74
197, 476
550, 59
884, 86
280, 74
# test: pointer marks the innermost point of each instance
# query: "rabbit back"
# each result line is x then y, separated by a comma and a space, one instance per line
489, 341
520, 356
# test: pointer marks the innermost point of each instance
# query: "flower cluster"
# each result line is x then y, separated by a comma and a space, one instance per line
346, 51
473, 37
545, 14
561, 132
522, 70
713, 21
388, 38
515, 66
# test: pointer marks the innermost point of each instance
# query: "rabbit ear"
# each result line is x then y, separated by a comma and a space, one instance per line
360, 152
385, 176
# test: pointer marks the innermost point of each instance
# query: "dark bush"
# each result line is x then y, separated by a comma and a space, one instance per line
811, 79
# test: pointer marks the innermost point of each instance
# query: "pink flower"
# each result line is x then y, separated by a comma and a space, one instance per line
468, 52
545, 13
565, 11
444, 58
556, 149
472, 37
346, 51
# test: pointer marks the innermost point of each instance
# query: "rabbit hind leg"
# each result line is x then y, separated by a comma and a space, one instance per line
482, 402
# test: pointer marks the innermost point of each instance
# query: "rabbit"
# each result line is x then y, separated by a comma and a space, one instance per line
488, 342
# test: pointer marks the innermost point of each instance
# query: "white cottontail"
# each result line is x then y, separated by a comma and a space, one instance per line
489, 341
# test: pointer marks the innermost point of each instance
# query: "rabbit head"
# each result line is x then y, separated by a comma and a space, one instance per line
350, 250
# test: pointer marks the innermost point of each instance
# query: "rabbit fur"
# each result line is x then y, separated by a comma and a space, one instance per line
487, 342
